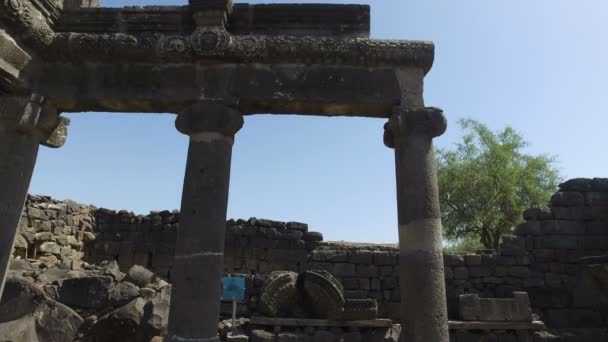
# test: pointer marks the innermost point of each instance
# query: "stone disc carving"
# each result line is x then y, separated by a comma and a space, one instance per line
323, 295
279, 296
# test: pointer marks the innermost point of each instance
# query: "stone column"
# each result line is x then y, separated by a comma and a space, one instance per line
199, 253
421, 278
18, 150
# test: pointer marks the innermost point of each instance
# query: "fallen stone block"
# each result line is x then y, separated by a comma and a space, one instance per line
516, 309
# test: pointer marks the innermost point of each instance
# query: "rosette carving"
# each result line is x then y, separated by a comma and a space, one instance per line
210, 41
174, 49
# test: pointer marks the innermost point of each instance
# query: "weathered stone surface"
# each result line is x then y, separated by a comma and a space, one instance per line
473, 308
122, 324
359, 309
279, 296
20, 330
140, 276
262, 336
156, 316
89, 292
123, 293
34, 316
323, 294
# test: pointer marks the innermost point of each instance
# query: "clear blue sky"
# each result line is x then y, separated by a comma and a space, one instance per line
539, 66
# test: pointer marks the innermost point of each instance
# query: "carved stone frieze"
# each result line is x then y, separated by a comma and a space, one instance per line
24, 19
208, 44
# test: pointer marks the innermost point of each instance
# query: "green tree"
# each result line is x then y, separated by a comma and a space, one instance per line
487, 182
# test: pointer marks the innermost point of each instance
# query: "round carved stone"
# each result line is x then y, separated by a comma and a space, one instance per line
249, 48
323, 295
280, 295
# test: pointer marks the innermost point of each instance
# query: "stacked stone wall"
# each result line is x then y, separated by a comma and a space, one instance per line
252, 246
542, 257
55, 232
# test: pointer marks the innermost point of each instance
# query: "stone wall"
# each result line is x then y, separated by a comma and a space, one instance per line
55, 232
545, 256
253, 246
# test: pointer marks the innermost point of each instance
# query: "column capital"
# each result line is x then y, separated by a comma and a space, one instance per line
209, 118
427, 121
31, 116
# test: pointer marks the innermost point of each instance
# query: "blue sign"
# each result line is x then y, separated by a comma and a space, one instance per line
234, 289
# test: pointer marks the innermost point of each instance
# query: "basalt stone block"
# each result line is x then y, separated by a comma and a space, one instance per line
324, 336
359, 309
361, 257
596, 199
453, 260
297, 226
312, 237
384, 258
345, 270
576, 184
557, 227
568, 199
472, 259
123, 324
123, 293
89, 292
474, 308
528, 228
599, 184
140, 276
262, 336
51, 321
556, 242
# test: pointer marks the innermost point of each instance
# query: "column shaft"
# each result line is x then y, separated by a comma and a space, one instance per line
421, 272
18, 152
199, 253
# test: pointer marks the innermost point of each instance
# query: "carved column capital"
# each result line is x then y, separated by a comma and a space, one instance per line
210, 118
31, 116
25, 19
428, 121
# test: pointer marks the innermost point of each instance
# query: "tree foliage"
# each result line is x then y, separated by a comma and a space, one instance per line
487, 181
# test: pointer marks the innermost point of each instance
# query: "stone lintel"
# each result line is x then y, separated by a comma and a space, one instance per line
253, 89
352, 21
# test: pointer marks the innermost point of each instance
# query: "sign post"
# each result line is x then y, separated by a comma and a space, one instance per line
234, 289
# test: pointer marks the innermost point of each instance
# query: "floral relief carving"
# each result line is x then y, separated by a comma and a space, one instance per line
209, 43
28, 20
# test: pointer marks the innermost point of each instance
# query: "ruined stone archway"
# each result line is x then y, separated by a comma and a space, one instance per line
210, 63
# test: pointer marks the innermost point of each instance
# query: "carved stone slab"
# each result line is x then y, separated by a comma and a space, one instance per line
516, 309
